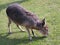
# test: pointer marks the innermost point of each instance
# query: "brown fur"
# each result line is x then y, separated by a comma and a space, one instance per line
21, 16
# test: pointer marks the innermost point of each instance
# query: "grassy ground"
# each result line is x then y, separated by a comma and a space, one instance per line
43, 8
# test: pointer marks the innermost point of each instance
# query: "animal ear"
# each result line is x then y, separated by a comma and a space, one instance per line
43, 22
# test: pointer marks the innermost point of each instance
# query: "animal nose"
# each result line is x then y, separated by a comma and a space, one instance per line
46, 34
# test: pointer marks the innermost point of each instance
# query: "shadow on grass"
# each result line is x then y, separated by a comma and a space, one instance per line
3, 6
7, 41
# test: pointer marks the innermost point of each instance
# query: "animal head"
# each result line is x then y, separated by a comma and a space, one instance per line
43, 28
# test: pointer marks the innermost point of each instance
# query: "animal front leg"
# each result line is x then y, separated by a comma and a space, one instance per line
33, 33
29, 34
20, 28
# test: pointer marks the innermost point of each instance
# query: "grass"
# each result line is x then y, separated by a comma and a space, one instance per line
50, 9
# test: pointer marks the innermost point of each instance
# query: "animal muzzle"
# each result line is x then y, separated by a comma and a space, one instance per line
44, 32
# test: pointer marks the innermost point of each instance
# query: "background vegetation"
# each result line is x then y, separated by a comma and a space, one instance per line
43, 8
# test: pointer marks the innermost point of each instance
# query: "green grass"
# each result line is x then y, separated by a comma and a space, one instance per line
43, 8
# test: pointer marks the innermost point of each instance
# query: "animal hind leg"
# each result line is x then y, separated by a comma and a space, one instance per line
9, 26
20, 28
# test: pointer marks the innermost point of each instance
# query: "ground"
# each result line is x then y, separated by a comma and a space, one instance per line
50, 9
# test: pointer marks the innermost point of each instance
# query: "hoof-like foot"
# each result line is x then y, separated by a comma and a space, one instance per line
34, 36
9, 32
30, 38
